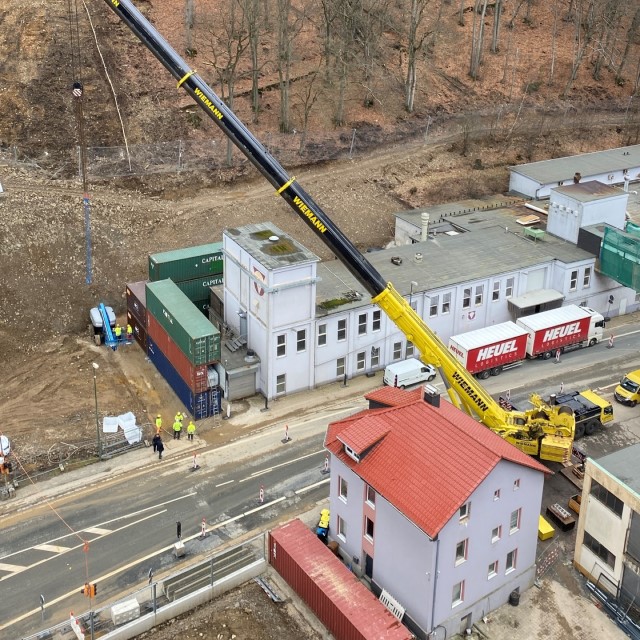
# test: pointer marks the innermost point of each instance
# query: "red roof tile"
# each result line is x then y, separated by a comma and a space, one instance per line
429, 461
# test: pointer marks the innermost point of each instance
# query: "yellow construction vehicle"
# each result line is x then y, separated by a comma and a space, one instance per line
546, 431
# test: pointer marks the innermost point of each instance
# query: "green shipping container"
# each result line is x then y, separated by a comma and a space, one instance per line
198, 339
198, 289
186, 264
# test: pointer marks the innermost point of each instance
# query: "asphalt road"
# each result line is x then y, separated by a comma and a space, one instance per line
130, 526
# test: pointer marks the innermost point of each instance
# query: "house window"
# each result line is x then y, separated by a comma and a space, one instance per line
342, 488
512, 557
409, 350
414, 305
479, 295
281, 345
375, 356
458, 594
496, 494
368, 528
322, 335
362, 324
301, 340
514, 522
466, 298
465, 510
495, 295
371, 496
446, 303
342, 529
508, 290
586, 280
340, 367
375, 322
342, 330
493, 570
573, 284
281, 383
461, 552
607, 498
397, 350
516, 484
361, 361
433, 306
599, 549
496, 534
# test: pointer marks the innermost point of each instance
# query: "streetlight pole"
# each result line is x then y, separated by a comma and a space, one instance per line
95, 395
413, 284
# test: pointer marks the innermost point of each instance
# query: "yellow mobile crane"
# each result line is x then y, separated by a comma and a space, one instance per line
546, 431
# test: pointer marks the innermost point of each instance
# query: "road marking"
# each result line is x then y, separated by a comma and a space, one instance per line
13, 568
53, 548
255, 474
264, 506
97, 530
223, 483
312, 486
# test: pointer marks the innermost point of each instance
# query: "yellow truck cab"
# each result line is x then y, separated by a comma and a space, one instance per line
606, 410
628, 391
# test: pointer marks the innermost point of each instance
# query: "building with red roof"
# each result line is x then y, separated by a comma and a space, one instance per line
433, 508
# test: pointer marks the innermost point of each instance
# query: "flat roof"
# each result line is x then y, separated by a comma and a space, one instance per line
270, 245
534, 298
587, 164
589, 191
623, 465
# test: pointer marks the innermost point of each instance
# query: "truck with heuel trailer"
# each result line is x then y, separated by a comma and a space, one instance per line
561, 329
490, 350
548, 433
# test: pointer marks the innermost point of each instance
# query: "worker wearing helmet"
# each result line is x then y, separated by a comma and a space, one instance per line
177, 428
158, 423
118, 332
191, 429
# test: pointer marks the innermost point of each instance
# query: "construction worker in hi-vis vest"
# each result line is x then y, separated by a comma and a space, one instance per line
191, 429
177, 428
158, 423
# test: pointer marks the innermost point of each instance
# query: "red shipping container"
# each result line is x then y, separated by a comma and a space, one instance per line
139, 332
137, 300
196, 376
342, 603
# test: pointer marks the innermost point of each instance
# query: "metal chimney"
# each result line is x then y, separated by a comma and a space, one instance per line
424, 219
431, 395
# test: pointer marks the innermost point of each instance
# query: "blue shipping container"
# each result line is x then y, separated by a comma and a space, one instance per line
200, 405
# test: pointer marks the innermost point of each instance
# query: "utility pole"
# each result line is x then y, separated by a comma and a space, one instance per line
95, 395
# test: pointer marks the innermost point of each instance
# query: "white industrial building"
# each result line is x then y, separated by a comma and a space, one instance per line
311, 323
611, 167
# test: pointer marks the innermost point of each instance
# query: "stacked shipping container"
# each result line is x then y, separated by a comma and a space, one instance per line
165, 314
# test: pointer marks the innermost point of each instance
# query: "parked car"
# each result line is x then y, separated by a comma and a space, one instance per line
408, 372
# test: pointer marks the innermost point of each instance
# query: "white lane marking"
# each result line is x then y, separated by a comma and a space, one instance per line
223, 483
97, 530
312, 486
255, 474
53, 548
264, 506
14, 568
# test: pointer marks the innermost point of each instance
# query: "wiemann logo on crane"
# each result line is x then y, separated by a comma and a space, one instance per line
561, 332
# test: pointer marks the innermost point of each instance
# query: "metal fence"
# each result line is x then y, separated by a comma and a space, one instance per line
163, 599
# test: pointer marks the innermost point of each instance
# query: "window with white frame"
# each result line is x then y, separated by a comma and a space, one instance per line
301, 340
496, 494
495, 295
493, 570
573, 281
446, 303
368, 528
371, 496
458, 594
397, 350
362, 324
281, 383
586, 280
479, 295
514, 521
466, 298
461, 551
322, 335
409, 350
375, 321
281, 345
340, 363
508, 290
516, 484
512, 558
433, 306
375, 356
465, 510
342, 330
342, 488
496, 534
342, 529
361, 360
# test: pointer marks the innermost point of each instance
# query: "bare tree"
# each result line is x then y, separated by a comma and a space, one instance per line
415, 40
585, 27
554, 38
495, 36
612, 13
307, 98
254, 29
632, 37
477, 37
189, 21
461, 14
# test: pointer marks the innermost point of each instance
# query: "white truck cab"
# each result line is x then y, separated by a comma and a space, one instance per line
408, 372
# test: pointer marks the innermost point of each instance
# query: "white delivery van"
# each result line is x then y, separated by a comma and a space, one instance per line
411, 371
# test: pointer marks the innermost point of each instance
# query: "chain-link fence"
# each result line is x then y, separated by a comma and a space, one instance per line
167, 597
